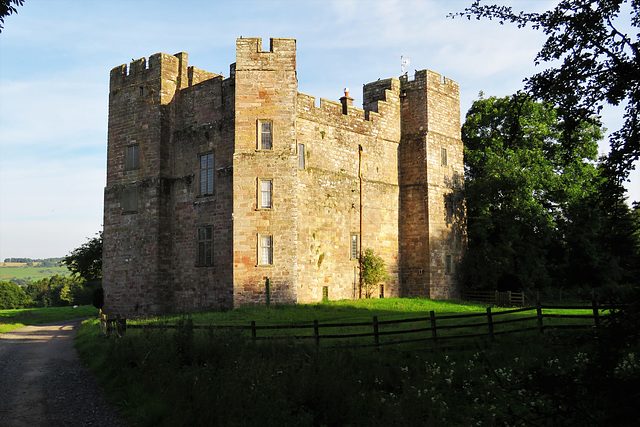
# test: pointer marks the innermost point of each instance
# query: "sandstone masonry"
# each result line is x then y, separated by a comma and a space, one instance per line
240, 190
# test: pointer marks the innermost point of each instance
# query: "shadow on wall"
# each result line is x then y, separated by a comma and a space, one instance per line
455, 208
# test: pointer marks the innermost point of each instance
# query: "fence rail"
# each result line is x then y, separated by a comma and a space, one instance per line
501, 299
404, 334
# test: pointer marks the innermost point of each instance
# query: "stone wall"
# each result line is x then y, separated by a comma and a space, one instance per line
374, 172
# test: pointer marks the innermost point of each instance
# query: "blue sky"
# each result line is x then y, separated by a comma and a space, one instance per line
55, 59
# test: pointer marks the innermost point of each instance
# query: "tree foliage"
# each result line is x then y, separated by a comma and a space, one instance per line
374, 271
86, 260
12, 296
535, 215
7, 7
593, 48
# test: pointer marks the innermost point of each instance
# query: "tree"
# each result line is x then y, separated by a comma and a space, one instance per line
531, 196
373, 271
598, 56
7, 7
86, 260
12, 296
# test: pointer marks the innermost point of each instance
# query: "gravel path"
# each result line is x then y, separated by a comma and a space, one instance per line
42, 382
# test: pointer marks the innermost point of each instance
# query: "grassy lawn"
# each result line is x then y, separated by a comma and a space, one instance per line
14, 319
386, 310
186, 377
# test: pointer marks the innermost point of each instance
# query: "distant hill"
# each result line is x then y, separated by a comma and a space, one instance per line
18, 262
24, 272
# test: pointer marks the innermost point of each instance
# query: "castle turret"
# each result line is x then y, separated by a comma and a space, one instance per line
431, 206
265, 166
136, 229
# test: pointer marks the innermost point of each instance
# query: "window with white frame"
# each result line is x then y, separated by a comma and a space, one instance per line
205, 246
206, 174
355, 246
265, 249
265, 135
265, 191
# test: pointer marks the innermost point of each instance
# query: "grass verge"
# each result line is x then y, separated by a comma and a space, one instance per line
189, 377
17, 318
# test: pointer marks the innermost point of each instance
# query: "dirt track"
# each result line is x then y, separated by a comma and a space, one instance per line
42, 382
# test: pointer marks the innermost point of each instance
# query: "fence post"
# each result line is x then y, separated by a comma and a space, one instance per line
490, 323
596, 312
316, 333
253, 330
539, 315
376, 337
434, 334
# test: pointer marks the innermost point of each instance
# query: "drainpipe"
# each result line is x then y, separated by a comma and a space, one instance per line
360, 241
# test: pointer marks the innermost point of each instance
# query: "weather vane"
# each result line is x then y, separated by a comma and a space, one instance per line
403, 63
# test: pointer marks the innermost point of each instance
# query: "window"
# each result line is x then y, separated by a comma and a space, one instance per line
265, 250
265, 135
132, 157
205, 246
443, 155
448, 264
355, 245
264, 196
206, 174
129, 199
300, 156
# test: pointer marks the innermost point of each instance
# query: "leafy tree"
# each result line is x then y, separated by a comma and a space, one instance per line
7, 7
86, 260
12, 296
59, 291
530, 195
373, 271
594, 50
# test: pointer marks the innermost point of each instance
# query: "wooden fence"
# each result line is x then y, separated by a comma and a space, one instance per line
501, 299
426, 332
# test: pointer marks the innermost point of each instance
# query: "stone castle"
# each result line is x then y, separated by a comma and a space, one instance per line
241, 190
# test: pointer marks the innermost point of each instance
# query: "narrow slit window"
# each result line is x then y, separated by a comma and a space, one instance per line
448, 261
206, 174
443, 155
301, 164
205, 246
132, 157
355, 245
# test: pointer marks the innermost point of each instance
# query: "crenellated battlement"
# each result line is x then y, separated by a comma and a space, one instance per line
140, 71
280, 56
432, 80
381, 99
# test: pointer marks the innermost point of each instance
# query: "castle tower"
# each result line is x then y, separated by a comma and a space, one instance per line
265, 204
136, 236
432, 226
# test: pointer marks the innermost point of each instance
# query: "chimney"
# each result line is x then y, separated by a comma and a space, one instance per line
346, 101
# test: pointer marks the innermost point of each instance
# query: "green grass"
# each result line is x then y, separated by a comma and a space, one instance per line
186, 377
332, 311
31, 273
14, 319
363, 311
